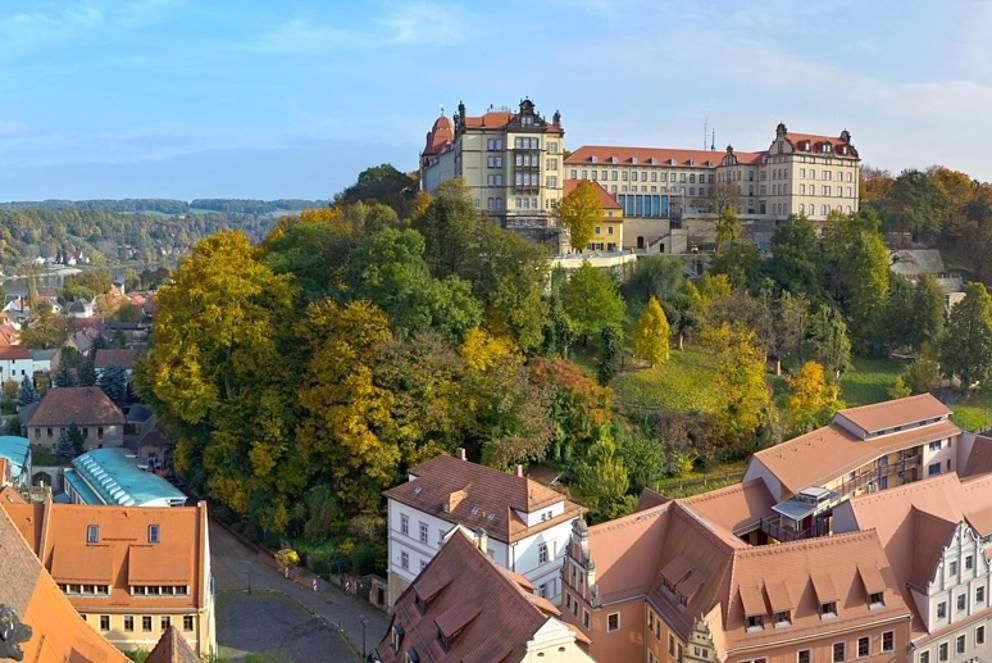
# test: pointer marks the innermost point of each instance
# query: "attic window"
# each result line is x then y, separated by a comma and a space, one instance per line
593, 159
491, 517
633, 160
828, 610
692, 162
417, 489
613, 159
782, 619
652, 160
754, 623
876, 600
411, 656
92, 534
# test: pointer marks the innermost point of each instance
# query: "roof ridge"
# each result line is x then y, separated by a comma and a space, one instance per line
631, 518
806, 544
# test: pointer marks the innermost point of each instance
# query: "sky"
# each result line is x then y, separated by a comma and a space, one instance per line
291, 99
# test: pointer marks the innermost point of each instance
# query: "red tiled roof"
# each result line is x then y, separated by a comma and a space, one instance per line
490, 120
899, 412
797, 139
440, 135
483, 613
62, 406
172, 648
643, 155
122, 357
14, 352
606, 201
477, 496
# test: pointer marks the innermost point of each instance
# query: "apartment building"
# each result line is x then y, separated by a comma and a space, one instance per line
607, 234
463, 607
937, 536
527, 525
510, 162
676, 582
130, 572
864, 449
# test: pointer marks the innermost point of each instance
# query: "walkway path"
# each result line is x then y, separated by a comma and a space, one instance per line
236, 567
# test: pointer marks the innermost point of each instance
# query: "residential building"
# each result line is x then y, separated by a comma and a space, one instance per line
799, 173
510, 162
678, 581
527, 525
608, 232
114, 477
937, 536
121, 357
30, 598
16, 363
463, 607
864, 449
99, 420
914, 263
131, 573
41, 360
82, 308
16, 451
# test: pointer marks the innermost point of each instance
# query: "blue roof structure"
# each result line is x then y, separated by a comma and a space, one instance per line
112, 476
17, 450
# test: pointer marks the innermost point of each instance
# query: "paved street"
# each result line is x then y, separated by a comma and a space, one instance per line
283, 613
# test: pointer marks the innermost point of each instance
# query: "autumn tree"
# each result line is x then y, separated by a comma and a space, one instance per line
923, 374
966, 351
579, 212
813, 399
651, 334
741, 378
728, 228
45, 329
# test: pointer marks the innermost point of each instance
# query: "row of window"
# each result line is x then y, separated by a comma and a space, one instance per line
84, 430
811, 209
631, 176
423, 530
84, 590
159, 590
943, 650
146, 622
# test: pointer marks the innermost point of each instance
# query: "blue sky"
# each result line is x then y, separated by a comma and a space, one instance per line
196, 98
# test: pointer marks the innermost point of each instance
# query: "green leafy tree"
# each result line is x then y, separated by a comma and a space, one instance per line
610, 354
650, 336
13, 426
658, 276
866, 277
45, 330
828, 340
966, 351
591, 300
601, 480
741, 262
928, 312
75, 437
923, 374
385, 184
86, 374
899, 311
65, 377
791, 321
899, 389
728, 228
741, 379
65, 451
796, 264
579, 212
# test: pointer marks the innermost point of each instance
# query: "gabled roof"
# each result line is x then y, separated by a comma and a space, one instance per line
58, 633
440, 136
172, 648
477, 496
490, 120
589, 155
483, 613
606, 201
58, 535
123, 357
83, 406
13, 352
829, 452
898, 412
816, 141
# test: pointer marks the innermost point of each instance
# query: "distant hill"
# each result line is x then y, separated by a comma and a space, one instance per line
168, 206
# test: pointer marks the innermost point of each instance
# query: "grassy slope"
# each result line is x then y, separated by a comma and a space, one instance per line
686, 383
869, 381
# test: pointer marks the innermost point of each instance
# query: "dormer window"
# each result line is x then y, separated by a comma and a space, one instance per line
593, 158
754, 623
613, 159
828, 610
782, 619
876, 600
692, 162
652, 160
633, 160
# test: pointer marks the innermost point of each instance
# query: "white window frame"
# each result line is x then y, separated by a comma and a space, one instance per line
618, 627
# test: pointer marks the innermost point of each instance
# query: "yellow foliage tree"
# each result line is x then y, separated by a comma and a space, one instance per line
481, 351
813, 399
741, 378
579, 211
651, 334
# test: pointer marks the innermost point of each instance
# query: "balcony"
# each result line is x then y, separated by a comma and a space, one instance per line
877, 478
772, 526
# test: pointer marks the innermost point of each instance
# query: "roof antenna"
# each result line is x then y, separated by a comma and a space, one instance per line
713, 143
706, 130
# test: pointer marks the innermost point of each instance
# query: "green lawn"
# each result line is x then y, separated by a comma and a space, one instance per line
686, 383
695, 483
973, 412
869, 381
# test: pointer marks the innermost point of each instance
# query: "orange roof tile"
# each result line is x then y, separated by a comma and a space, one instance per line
483, 613
485, 497
12, 352
81, 405
440, 136
979, 461
79, 563
642, 156
606, 201
123, 357
829, 452
899, 412
172, 648
490, 120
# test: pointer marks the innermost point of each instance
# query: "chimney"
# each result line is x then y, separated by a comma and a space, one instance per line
520, 470
460, 453
482, 539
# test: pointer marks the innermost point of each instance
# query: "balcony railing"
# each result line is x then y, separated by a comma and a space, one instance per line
771, 525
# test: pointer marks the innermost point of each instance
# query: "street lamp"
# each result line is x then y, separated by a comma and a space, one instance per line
364, 621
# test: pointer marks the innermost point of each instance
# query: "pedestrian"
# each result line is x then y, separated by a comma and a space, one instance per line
315, 584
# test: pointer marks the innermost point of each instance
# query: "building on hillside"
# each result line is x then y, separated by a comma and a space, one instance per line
659, 187
608, 232
510, 162
99, 420
17, 452
121, 357
463, 607
680, 582
114, 477
937, 535
864, 449
914, 263
16, 363
40, 623
527, 525
131, 573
